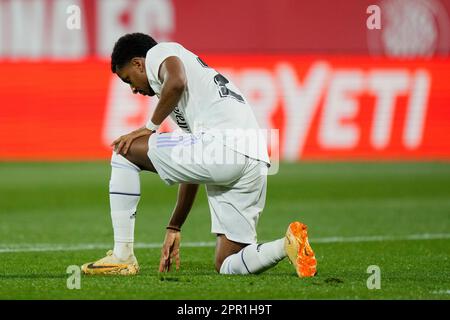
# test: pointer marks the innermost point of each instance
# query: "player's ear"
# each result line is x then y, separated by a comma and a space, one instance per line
138, 63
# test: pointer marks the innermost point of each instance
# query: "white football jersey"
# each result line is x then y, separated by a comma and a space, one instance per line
211, 103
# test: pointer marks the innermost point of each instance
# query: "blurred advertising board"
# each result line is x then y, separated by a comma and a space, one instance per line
326, 107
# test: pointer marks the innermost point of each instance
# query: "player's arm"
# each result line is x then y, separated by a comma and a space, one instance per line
171, 246
173, 78
185, 200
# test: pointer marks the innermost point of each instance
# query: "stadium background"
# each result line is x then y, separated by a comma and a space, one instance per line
374, 104
334, 88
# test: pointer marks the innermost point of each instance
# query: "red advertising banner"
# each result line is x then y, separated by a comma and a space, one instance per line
325, 107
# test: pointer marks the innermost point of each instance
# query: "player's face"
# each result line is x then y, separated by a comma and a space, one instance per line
135, 75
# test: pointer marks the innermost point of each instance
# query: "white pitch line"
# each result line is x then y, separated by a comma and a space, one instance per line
441, 292
44, 247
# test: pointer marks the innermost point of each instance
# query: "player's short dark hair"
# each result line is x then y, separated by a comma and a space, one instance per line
128, 47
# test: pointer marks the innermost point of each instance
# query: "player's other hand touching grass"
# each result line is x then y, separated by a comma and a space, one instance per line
170, 250
123, 143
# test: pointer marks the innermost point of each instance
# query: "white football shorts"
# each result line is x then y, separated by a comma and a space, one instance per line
235, 184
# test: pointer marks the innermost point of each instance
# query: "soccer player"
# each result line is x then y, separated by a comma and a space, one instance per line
216, 123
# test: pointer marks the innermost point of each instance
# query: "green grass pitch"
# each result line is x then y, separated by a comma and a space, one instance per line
392, 215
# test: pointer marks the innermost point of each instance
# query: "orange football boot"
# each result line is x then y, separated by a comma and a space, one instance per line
300, 253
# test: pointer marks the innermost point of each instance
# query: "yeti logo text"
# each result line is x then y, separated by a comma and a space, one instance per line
73, 21
374, 20
374, 281
74, 280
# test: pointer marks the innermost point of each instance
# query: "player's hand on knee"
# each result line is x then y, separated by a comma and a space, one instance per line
123, 143
170, 250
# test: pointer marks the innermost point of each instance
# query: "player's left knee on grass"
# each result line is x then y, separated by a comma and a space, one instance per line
219, 262
224, 249
253, 258
220, 258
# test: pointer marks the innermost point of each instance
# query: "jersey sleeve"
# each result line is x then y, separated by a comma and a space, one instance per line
156, 56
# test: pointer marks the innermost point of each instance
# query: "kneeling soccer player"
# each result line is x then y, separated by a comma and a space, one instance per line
214, 117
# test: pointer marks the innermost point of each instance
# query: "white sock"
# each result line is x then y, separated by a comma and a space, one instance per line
254, 258
124, 195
